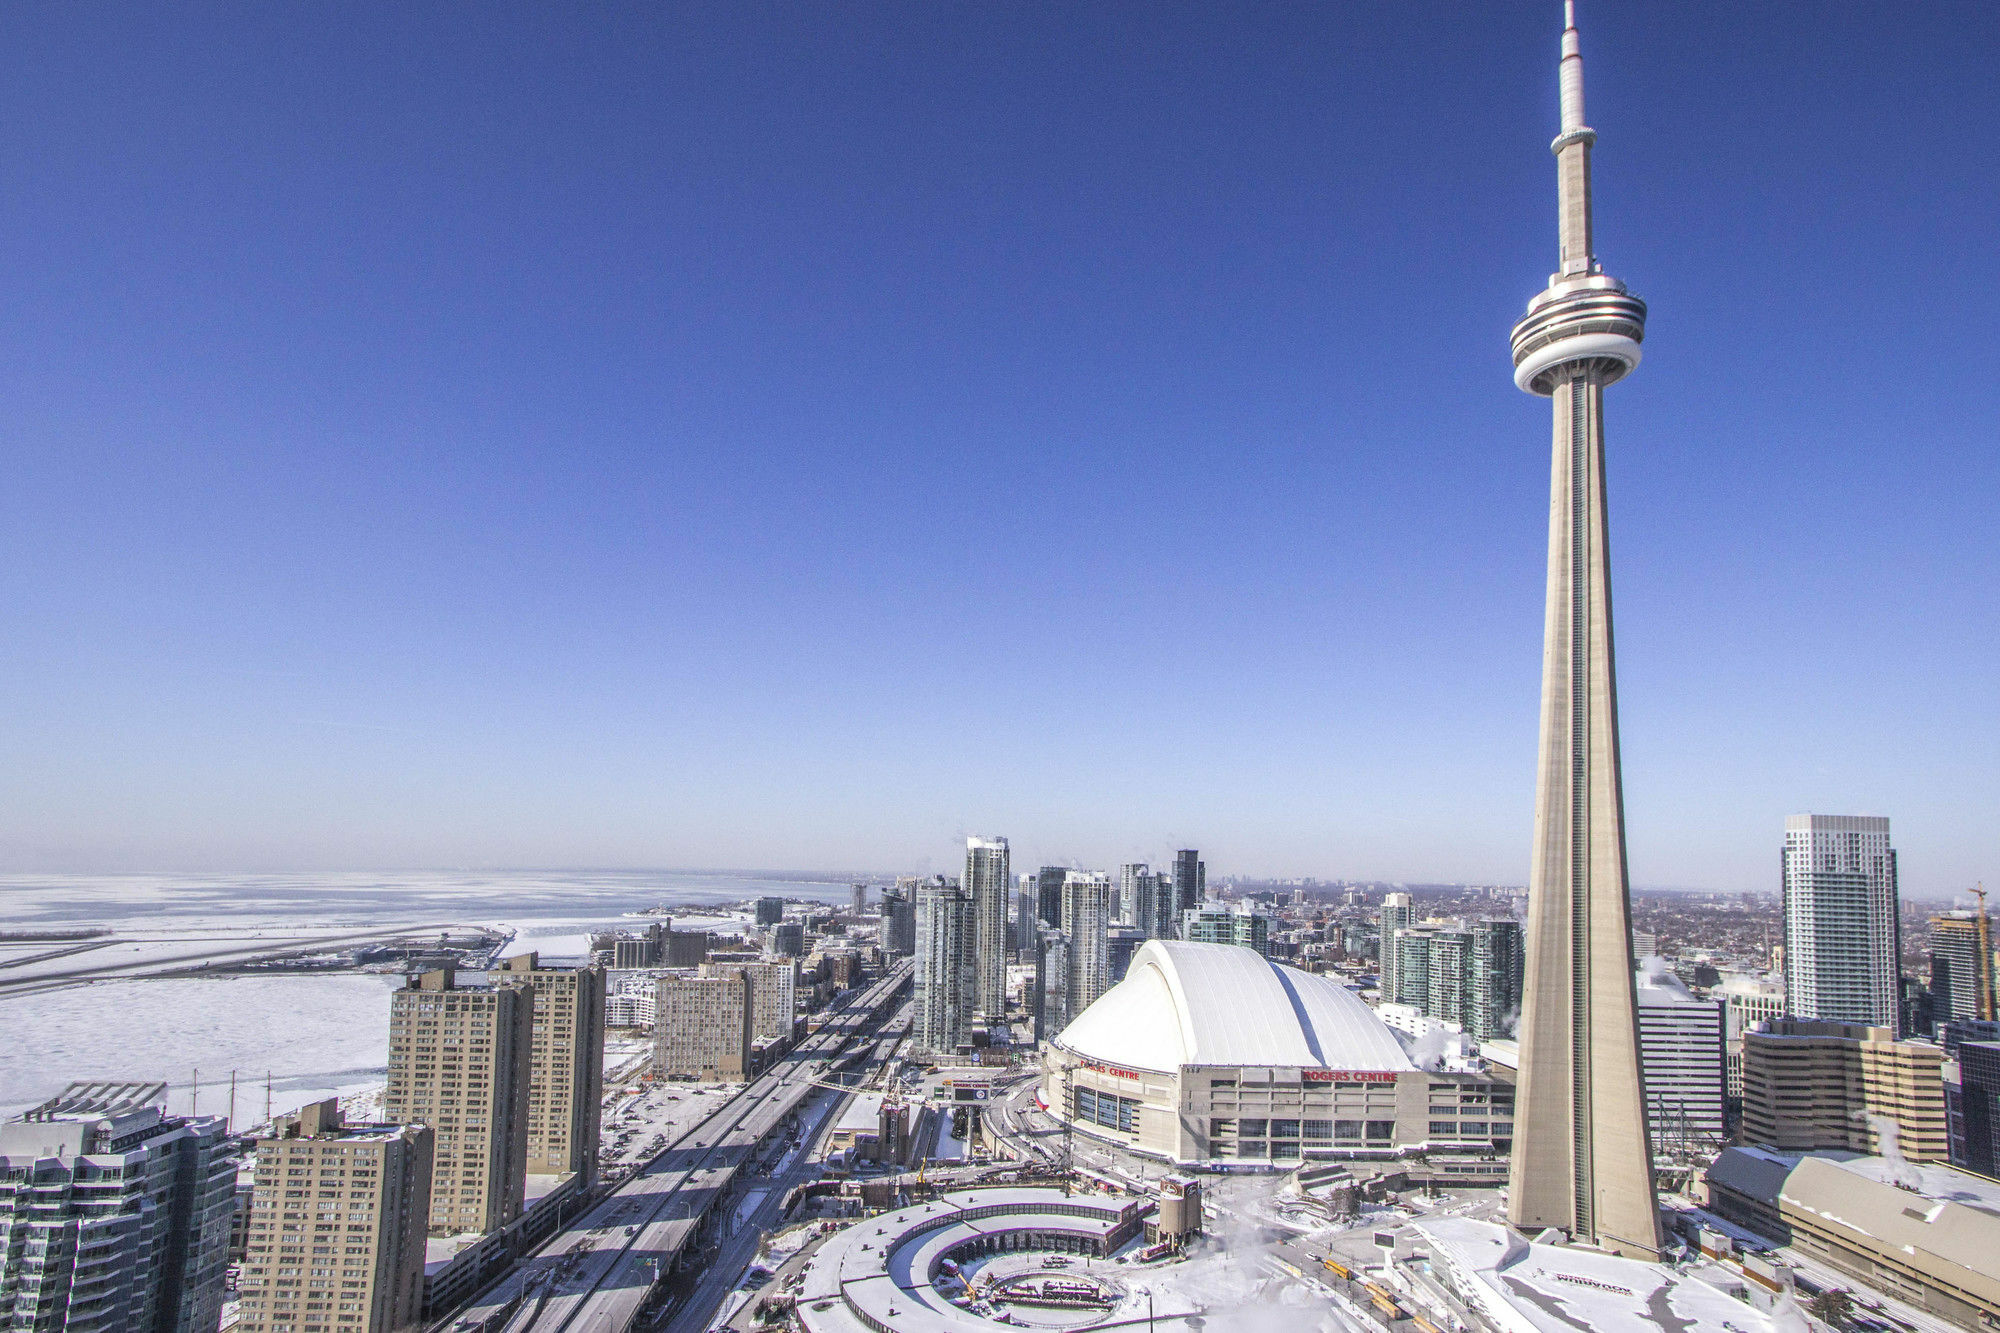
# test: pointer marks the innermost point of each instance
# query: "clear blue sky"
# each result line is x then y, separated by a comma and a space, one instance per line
800, 435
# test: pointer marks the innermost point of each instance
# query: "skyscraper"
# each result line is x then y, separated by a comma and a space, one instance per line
341, 1204
113, 1214
459, 1062
1681, 1043
1493, 992
1190, 881
988, 882
1962, 965
945, 990
1396, 914
1581, 1160
1136, 900
1842, 937
566, 1072
1048, 894
1086, 922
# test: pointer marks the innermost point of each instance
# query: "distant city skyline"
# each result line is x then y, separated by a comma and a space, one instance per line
586, 445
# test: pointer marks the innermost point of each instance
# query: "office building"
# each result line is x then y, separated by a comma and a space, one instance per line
1972, 1107
461, 1062
686, 948
945, 983
701, 1028
787, 939
1240, 925
1190, 882
1048, 894
1842, 934
566, 1065
1086, 924
1122, 943
1746, 1002
1397, 914
1810, 1086
113, 1214
774, 996
769, 911
858, 904
1581, 1162
988, 882
1961, 966
337, 1222
1681, 1042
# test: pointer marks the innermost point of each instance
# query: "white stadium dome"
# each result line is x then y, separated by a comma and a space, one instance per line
1214, 1057
1218, 1004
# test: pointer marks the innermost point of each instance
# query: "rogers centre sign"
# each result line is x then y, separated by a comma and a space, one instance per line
1346, 1076
1112, 1070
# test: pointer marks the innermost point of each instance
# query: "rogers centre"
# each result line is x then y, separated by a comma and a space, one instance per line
1208, 1055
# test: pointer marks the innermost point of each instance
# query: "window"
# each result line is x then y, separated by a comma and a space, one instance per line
1381, 1131
1475, 1128
1284, 1129
1319, 1129
1348, 1131
1255, 1129
1444, 1128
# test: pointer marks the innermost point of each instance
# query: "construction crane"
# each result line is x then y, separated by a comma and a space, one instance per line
1983, 973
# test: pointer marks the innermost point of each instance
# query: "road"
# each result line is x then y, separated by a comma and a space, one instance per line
596, 1275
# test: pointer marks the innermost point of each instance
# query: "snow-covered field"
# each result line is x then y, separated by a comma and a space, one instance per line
317, 1035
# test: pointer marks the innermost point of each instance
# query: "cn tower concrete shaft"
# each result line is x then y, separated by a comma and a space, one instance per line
1582, 1162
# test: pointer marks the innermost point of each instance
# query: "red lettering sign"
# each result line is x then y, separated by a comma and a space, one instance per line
1113, 1070
1347, 1076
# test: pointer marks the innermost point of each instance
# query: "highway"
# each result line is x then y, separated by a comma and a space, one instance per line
595, 1275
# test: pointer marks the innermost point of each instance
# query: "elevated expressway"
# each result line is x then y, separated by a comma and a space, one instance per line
595, 1275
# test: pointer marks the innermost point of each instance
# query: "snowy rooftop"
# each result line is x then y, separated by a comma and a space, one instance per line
1217, 1004
1525, 1287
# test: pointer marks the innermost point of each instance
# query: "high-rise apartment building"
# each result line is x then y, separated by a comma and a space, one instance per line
1681, 1044
1581, 1162
1493, 985
565, 1066
1050, 1001
945, 984
1138, 900
1086, 924
774, 996
1842, 934
461, 1062
1810, 1085
858, 905
337, 1220
1397, 913
899, 921
1961, 966
1048, 894
1241, 925
113, 1214
701, 1027
989, 881
770, 911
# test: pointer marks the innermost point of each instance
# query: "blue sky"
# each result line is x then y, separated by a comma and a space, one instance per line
798, 436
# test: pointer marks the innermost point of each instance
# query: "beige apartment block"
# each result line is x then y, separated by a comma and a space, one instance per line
1810, 1085
774, 995
566, 1068
460, 1059
701, 1028
337, 1220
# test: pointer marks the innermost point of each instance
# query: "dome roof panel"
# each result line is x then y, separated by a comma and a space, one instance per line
1217, 1004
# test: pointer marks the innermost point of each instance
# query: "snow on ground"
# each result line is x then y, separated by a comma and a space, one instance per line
318, 1036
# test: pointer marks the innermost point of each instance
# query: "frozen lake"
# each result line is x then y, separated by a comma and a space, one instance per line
315, 1035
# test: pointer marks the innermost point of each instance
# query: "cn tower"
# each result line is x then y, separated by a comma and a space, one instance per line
1582, 1162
